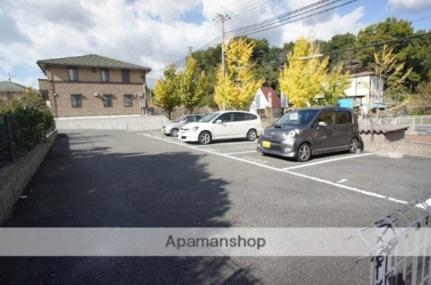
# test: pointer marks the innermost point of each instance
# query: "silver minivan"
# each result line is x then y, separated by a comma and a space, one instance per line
305, 132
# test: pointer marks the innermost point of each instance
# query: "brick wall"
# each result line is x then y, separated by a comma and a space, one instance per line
92, 105
88, 85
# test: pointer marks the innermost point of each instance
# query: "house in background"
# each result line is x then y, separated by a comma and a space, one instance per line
366, 90
10, 90
266, 103
93, 85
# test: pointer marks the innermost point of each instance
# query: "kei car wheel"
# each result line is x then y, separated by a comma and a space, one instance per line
174, 132
251, 135
304, 152
204, 138
354, 145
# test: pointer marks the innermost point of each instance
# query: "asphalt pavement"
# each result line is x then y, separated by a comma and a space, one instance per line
119, 179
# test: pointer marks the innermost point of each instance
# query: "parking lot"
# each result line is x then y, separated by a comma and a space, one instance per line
119, 179
375, 175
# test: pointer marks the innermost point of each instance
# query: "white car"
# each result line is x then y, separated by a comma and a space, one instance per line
222, 125
172, 129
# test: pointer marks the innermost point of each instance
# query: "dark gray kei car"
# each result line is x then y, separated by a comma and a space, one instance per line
305, 132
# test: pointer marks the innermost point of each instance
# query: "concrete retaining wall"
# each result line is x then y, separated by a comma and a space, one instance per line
127, 123
400, 148
15, 177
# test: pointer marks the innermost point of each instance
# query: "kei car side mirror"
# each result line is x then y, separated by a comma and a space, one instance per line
322, 124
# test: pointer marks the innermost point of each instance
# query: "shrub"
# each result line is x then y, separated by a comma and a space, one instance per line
30, 120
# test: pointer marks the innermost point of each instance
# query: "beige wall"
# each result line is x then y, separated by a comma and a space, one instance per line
93, 75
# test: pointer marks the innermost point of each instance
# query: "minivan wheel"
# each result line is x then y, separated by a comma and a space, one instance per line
354, 145
174, 132
251, 135
304, 152
204, 138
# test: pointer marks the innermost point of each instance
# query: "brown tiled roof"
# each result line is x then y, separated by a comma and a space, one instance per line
91, 60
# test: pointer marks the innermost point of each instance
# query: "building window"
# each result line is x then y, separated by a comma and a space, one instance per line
107, 100
104, 75
76, 100
72, 73
128, 100
126, 75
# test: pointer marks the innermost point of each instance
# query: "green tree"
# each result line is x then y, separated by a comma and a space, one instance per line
237, 86
420, 103
192, 85
166, 91
389, 29
340, 43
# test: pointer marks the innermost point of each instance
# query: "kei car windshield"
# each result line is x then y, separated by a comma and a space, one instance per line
297, 118
209, 117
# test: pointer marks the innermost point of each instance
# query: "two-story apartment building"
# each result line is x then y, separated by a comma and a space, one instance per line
92, 85
10, 90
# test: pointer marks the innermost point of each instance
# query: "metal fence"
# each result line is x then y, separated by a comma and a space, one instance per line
19, 135
388, 266
6, 143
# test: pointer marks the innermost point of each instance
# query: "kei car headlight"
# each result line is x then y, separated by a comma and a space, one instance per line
291, 134
195, 128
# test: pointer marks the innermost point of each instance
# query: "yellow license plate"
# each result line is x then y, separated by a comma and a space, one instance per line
266, 144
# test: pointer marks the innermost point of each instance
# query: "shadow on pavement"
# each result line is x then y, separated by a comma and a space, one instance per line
92, 186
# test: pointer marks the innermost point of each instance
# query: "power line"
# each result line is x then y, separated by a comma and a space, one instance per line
408, 38
421, 19
285, 21
250, 8
280, 17
330, 53
280, 21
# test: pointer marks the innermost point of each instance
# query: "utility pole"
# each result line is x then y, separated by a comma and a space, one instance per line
222, 18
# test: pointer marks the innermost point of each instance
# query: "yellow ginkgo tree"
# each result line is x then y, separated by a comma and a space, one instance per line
166, 91
237, 85
306, 78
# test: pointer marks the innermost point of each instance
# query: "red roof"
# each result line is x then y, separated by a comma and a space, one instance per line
272, 98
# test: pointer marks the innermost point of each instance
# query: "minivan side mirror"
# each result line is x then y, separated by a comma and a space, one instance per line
322, 124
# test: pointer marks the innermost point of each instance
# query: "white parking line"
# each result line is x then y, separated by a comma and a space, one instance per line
240, 152
353, 189
324, 181
327, 160
225, 143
